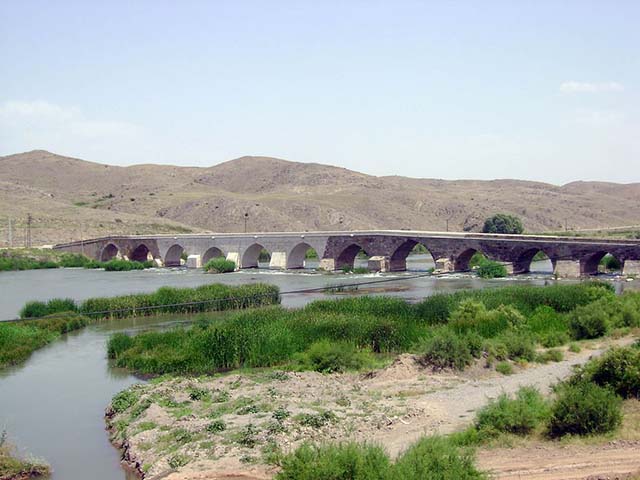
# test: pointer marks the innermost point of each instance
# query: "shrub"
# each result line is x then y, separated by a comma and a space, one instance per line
117, 265
216, 426
331, 357
436, 458
491, 269
552, 355
446, 350
589, 321
520, 415
618, 369
345, 461
584, 408
219, 265
518, 345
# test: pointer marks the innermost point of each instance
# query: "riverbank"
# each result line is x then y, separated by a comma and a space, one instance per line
243, 423
13, 467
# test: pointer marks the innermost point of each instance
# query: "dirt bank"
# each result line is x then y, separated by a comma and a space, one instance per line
232, 425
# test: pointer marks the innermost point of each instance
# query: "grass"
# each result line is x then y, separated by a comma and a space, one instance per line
19, 339
213, 297
449, 331
14, 467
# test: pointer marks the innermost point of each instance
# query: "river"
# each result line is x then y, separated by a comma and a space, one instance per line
53, 404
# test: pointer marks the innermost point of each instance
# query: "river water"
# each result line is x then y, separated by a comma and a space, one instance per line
53, 404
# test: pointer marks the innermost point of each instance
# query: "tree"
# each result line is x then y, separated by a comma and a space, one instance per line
503, 223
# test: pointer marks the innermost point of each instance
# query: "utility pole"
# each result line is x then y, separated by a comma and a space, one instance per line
10, 232
82, 237
27, 239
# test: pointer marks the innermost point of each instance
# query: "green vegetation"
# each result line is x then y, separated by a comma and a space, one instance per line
213, 297
219, 265
448, 331
610, 263
13, 467
491, 269
584, 409
35, 309
503, 223
486, 268
435, 458
356, 270
33, 259
520, 415
19, 339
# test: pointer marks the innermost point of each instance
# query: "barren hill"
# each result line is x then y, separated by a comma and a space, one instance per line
70, 198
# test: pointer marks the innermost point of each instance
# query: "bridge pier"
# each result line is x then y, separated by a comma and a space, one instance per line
328, 264
235, 258
379, 263
631, 267
444, 264
278, 260
567, 269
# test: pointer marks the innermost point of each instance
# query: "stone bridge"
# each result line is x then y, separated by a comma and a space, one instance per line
387, 249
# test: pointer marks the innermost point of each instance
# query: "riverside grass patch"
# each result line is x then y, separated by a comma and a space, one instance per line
365, 325
19, 339
213, 297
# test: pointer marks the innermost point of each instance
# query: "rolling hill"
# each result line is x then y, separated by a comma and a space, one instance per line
71, 198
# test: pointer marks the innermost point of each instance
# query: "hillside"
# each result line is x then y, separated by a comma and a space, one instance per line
70, 198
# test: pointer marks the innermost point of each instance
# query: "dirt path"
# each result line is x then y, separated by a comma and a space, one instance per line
612, 461
452, 409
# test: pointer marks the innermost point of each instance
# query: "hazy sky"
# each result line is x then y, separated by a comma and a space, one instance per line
544, 90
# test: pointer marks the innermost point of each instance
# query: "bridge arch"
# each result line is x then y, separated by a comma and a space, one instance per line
398, 259
251, 256
524, 260
589, 265
140, 253
173, 255
348, 255
461, 262
212, 252
109, 252
297, 255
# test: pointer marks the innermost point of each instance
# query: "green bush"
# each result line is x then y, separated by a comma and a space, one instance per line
491, 269
436, 458
346, 461
552, 355
584, 408
219, 265
331, 357
519, 345
520, 415
446, 350
617, 369
589, 321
